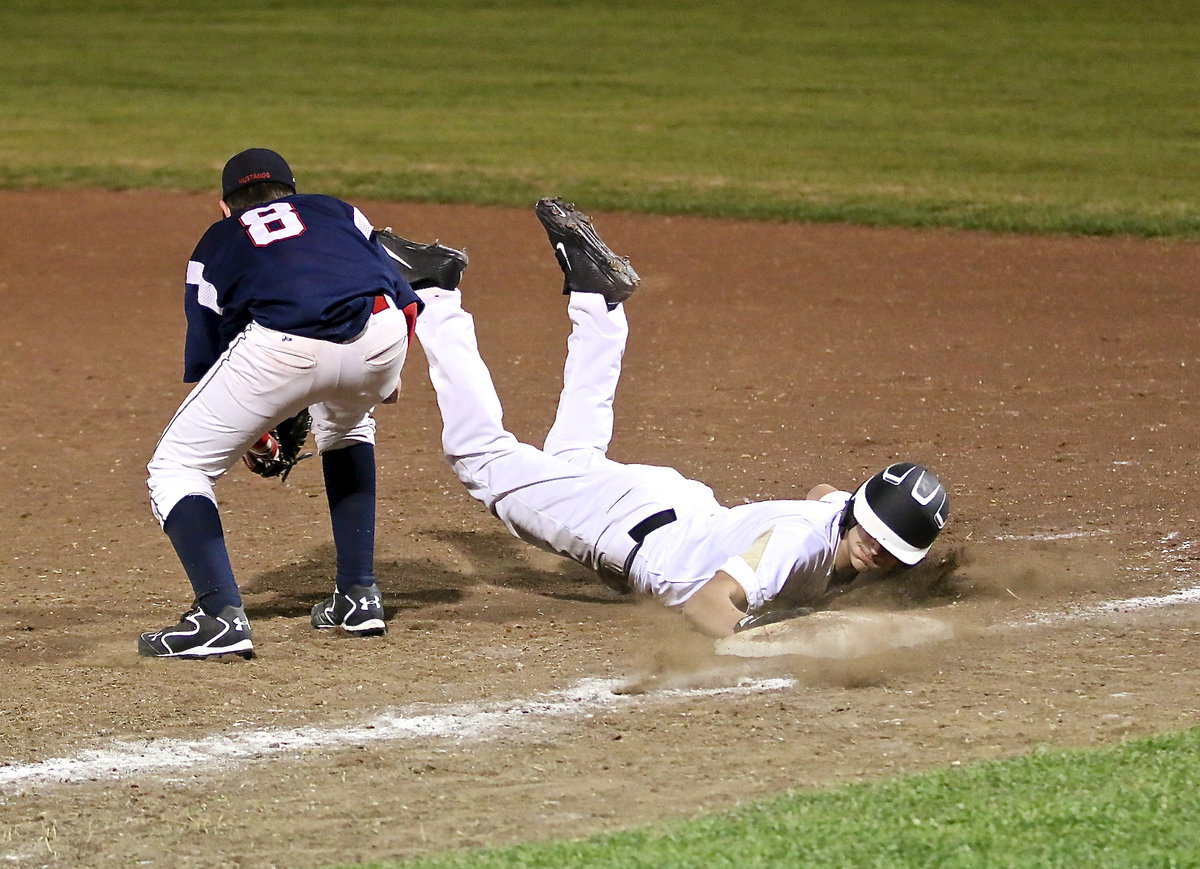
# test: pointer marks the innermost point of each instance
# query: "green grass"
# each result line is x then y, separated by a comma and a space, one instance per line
1062, 116
1133, 805
1073, 116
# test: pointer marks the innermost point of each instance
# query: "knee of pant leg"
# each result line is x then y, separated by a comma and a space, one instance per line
581, 457
328, 435
168, 486
507, 467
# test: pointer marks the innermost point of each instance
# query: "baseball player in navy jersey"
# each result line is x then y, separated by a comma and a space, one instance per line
645, 529
291, 304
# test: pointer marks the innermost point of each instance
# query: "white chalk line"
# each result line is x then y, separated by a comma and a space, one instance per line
1065, 535
1106, 608
1083, 613
126, 759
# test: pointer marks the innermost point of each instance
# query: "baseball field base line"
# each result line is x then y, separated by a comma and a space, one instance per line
126, 759
1061, 535
1111, 607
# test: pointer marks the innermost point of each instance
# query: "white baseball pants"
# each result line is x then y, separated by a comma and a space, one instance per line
263, 378
568, 498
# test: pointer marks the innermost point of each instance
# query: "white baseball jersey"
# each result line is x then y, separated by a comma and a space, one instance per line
763, 546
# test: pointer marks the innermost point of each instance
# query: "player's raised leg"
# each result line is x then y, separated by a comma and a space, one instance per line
472, 416
597, 281
521, 484
583, 423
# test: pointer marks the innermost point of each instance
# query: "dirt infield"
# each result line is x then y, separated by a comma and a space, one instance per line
1051, 382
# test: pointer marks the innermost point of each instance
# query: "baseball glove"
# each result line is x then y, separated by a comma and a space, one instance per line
423, 265
278, 451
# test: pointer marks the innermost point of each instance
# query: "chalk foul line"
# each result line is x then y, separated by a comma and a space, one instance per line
130, 759
1110, 607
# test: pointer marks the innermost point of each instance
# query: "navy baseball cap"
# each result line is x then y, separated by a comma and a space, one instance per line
252, 166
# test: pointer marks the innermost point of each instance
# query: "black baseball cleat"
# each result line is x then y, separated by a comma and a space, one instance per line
587, 263
199, 635
424, 265
359, 611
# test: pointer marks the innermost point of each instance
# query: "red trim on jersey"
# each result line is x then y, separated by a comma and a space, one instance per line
382, 302
410, 314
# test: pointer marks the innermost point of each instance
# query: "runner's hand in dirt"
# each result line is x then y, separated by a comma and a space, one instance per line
770, 618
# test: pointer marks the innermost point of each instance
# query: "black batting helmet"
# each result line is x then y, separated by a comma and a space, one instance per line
904, 507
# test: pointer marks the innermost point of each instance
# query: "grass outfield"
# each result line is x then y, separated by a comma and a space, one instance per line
1076, 115
1132, 805
1067, 116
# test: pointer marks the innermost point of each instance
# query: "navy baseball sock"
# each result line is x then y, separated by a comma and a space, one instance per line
194, 527
350, 488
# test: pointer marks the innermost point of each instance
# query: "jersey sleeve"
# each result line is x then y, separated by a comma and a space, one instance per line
838, 498
203, 343
362, 224
786, 550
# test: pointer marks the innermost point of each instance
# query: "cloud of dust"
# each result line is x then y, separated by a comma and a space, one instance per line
995, 569
677, 657
1011, 573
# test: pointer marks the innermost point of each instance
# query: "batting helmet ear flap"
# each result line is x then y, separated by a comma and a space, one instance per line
848, 520
844, 525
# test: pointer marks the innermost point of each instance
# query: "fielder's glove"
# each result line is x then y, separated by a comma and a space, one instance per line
770, 618
423, 265
278, 451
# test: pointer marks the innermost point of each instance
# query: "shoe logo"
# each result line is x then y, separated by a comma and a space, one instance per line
561, 251
367, 601
397, 258
240, 624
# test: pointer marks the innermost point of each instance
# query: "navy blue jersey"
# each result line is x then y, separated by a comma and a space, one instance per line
305, 264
